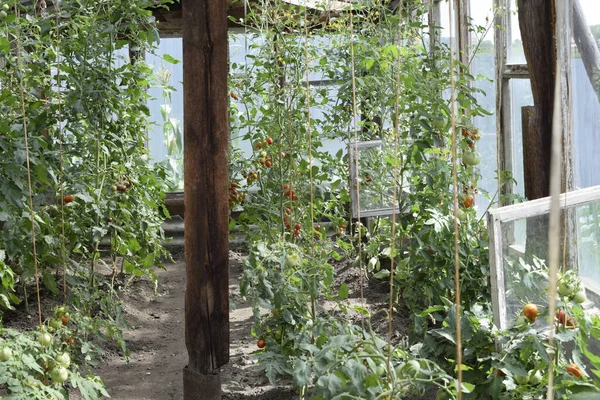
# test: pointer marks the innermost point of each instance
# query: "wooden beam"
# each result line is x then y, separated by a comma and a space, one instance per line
206, 138
170, 17
516, 71
536, 20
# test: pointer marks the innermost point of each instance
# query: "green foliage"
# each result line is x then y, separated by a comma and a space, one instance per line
73, 120
28, 373
85, 139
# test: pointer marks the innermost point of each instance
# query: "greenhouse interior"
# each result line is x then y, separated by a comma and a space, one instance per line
299, 199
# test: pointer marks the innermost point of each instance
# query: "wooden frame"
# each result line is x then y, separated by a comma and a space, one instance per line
354, 194
497, 217
504, 73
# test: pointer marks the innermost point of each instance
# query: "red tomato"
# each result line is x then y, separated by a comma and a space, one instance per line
261, 343
68, 199
269, 140
468, 201
573, 369
530, 311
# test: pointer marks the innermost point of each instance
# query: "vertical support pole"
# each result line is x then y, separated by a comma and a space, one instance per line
462, 30
434, 21
206, 120
503, 97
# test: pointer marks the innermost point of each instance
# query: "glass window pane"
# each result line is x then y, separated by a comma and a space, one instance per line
516, 55
483, 64
172, 75
521, 95
586, 108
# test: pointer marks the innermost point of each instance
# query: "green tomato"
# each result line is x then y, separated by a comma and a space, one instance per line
580, 297
461, 214
5, 7
440, 122
45, 339
412, 368
443, 395
292, 260
380, 370
565, 288
3, 14
59, 375
535, 377
55, 323
64, 360
5, 354
521, 379
471, 158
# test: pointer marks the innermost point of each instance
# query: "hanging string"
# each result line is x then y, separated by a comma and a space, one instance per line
356, 164
26, 138
555, 186
309, 133
397, 195
567, 163
63, 252
455, 202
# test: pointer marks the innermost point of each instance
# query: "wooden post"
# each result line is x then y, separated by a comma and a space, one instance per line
536, 19
206, 120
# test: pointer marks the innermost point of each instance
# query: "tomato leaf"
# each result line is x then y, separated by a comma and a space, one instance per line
343, 292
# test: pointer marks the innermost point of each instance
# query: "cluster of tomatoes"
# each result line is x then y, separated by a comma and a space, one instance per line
288, 223
263, 143
122, 186
471, 136
235, 197
250, 177
289, 192
529, 315
470, 157
265, 158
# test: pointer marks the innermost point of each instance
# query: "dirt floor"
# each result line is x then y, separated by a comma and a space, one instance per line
157, 344
156, 339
